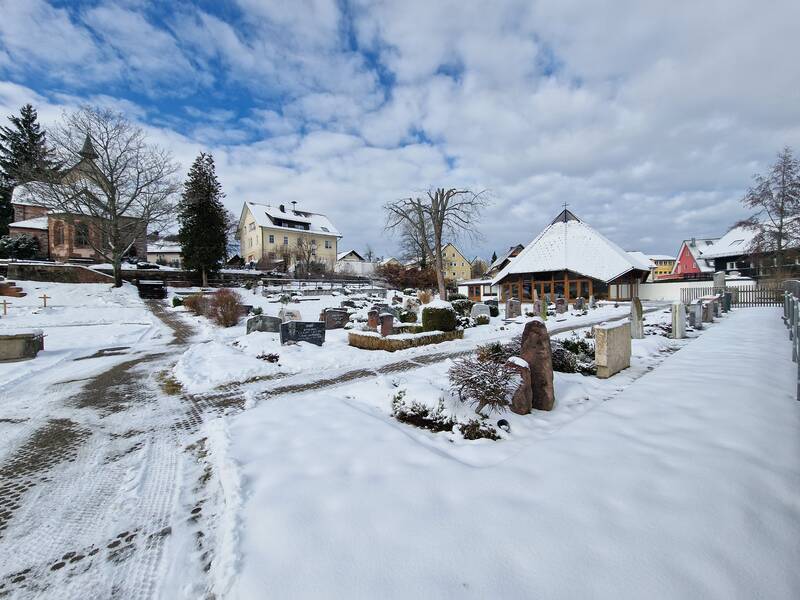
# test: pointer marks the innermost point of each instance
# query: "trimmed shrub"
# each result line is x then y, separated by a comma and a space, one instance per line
462, 306
564, 361
483, 384
454, 297
494, 311
258, 311
481, 320
424, 296
408, 316
438, 319
500, 353
177, 301
199, 304
226, 307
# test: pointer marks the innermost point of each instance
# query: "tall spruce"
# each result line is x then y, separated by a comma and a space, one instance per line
203, 222
24, 155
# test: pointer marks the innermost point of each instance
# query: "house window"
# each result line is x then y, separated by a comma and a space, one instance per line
328, 244
272, 239
286, 240
731, 265
58, 234
251, 227
81, 234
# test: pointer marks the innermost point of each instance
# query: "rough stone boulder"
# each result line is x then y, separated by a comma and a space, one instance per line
536, 352
522, 400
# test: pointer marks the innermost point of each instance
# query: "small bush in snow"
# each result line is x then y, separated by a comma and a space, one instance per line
270, 357
454, 297
176, 301
482, 320
199, 304
226, 307
494, 311
475, 429
424, 296
498, 352
438, 319
462, 306
258, 311
483, 383
408, 316
419, 415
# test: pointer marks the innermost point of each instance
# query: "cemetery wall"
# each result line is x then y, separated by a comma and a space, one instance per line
670, 291
58, 273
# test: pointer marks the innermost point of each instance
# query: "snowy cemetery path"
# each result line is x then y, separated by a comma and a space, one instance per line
93, 476
685, 485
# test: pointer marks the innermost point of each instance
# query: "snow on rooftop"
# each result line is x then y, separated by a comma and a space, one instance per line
35, 223
266, 215
734, 243
165, 247
570, 244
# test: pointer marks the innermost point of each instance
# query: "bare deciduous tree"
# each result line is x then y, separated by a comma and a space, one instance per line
442, 212
776, 197
479, 267
119, 184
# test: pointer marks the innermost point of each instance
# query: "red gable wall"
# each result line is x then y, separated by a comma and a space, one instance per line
686, 262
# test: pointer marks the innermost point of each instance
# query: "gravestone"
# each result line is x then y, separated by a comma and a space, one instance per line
561, 306
312, 332
696, 315
513, 308
522, 400
612, 348
372, 319
412, 304
22, 345
637, 321
592, 302
717, 306
334, 318
385, 308
152, 289
727, 301
480, 309
347, 303
537, 307
387, 323
535, 294
289, 314
719, 282
537, 353
707, 314
492, 303
579, 302
678, 321
263, 323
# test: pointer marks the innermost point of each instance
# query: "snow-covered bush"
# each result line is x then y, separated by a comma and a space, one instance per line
564, 361
494, 311
177, 301
498, 352
407, 316
199, 304
454, 297
438, 316
18, 246
482, 320
462, 306
226, 307
258, 311
419, 415
483, 383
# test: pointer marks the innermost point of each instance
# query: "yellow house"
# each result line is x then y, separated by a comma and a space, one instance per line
456, 265
274, 236
664, 264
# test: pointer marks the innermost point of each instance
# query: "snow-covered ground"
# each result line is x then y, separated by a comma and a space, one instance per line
682, 483
230, 354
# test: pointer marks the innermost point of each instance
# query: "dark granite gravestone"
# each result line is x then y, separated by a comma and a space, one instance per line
348, 304
727, 300
312, 332
579, 303
263, 323
151, 289
334, 318
494, 303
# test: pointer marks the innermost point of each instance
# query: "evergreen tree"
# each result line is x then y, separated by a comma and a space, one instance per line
203, 224
494, 257
23, 155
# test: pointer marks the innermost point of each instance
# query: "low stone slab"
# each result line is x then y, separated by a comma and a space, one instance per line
264, 323
612, 348
480, 309
21, 346
312, 332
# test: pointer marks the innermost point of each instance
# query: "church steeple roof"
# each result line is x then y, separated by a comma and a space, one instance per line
88, 150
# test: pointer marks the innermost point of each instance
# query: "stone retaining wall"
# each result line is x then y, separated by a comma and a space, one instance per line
59, 273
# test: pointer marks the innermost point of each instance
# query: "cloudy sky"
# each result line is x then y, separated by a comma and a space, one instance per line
648, 118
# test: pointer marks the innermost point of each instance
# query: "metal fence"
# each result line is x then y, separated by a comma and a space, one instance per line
791, 316
749, 295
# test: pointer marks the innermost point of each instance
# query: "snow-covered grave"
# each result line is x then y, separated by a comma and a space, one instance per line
664, 481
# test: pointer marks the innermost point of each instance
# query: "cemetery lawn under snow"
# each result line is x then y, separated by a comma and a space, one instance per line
682, 483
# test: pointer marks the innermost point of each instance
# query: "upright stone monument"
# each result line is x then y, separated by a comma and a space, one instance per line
612, 348
719, 282
696, 315
513, 308
579, 303
561, 306
637, 319
264, 323
289, 314
592, 302
334, 318
537, 353
312, 332
727, 301
522, 400
387, 323
537, 307
707, 312
678, 321
480, 309
372, 319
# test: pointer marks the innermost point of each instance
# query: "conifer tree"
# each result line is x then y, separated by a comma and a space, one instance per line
494, 257
23, 155
203, 220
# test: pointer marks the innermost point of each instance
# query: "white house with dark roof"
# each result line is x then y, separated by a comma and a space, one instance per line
569, 259
271, 235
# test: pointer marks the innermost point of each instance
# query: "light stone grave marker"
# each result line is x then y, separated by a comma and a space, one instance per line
637, 319
612, 348
678, 321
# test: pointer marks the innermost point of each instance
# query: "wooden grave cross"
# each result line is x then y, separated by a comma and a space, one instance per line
45, 298
5, 303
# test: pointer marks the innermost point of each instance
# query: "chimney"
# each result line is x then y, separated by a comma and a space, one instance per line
694, 242
294, 206
282, 208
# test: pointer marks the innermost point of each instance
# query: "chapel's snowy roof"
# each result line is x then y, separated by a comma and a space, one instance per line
570, 244
734, 243
266, 215
22, 195
35, 223
641, 257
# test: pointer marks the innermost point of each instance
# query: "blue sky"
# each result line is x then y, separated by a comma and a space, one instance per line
647, 118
